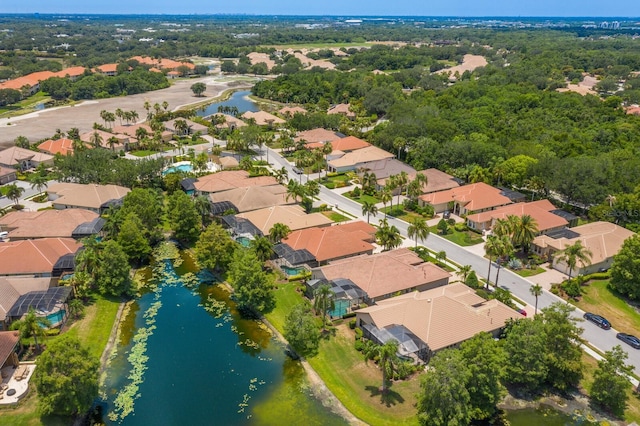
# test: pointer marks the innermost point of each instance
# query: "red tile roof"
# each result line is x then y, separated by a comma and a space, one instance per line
62, 146
350, 143
30, 257
475, 196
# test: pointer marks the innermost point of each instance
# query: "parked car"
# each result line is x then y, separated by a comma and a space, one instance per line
630, 340
522, 312
297, 170
446, 214
598, 320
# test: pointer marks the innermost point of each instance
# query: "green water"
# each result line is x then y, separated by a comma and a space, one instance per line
203, 370
543, 416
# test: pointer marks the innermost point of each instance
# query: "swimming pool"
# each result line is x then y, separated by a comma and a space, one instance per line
56, 318
292, 271
244, 241
185, 168
341, 307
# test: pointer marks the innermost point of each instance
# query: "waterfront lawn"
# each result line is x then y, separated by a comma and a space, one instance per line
597, 297
287, 297
356, 383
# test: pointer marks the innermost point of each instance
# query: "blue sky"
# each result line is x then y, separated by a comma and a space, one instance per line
629, 8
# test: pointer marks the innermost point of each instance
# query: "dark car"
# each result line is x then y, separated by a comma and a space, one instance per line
630, 340
297, 170
446, 214
598, 320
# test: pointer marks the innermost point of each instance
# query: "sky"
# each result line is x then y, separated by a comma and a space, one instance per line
559, 8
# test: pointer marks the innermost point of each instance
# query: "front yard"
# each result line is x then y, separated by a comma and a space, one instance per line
461, 238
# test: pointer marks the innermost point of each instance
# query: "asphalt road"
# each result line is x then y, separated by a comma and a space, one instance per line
603, 340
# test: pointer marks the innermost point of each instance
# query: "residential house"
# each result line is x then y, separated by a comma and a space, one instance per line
230, 179
227, 162
131, 130
36, 258
293, 216
93, 197
249, 198
341, 146
465, 200
163, 63
230, 122
343, 109
24, 225
330, 243
7, 175
390, 167
541, 211
603, 239
426, 322
317, 135
9, 342
436, 181
61, 146
263, 118
384, 275
120, 141
109, 70
11, 288
192, 127
369, 158
28, 84
291, 111
24, 159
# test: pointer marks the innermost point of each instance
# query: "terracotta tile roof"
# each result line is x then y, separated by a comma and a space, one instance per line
8, 342
292, 110
11, 288
317, 135
603, 239
539, 210
229, 120
263, 118
131, 129
391, 166
44, 224
334, 242
441, 317
475, 196
106, 68
31, 257
292, 216
385, 273
228, 162
193, 126
350, 143
231, 179
90, 196
436, 180
122, 138
14, 155
71, 72
361, 156
27, 80
634, 110
62, 146
4, 171
341, 109
253, 197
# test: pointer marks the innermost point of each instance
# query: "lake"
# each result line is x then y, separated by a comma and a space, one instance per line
204, 367
238, 99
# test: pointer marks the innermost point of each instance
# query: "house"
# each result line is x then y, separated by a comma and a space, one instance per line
93, 197
162, 63
343, 109
603, 239
7, 174
192, 127
35, 258
291, 111
436, 181
249, 198
317, 135
366, 158
23, 225
343, 145
11, 288
24, 159
293, 216
429, 321
263, 118
230, 179
29, 83
468, 199
9, 341
331, 243
109, 70
120, 141
227, 162
132, 129
541, 211
384, 275
72, 73
61, 146
230, 122
389, 167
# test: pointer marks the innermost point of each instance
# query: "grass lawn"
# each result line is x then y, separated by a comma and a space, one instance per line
286, 298
362, 198
93, 331
337, 181
143, 152
464, 239
336, 217
530, 272
406, 216
599, 299
25, 106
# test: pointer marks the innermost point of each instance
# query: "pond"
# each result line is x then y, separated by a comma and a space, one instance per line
204, 366
238, 99
543, 416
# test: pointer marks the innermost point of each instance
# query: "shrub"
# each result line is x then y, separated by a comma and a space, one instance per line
555, 289
352, 324
572, 288
451, 221
356, 192
358, 345
460, 227
515, 264
358, 332
598, 276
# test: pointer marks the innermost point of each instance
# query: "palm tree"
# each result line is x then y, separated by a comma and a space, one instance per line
112, 141
323, 302
573, 254
441, 256
165, 105
181, 126
14, 192
536, 290
491, 248
39, 182
388, 236
295, 190
504, 249
32, 326
147, 107
279, 231
525, 231
418, 229
402, 180
327, 149
281, 175
369, 209
96, 139
385, 197
464, 272
262, 247
387, 355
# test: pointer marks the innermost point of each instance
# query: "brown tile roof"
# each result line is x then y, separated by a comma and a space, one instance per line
228, 162
385, 273
341, 109
263, 118
87, 136
8, 342
230, 120
317, 135
361, 156
334, 242
441, 317
603, 239
539, 210
475, 196
89, 196
293, 216
27, 80
436, 180
350, 143
634, 110
30, 257
231, 179
292, 110
14, 155
253, 197
107, 68
71, 72
62, 146
11, 288
4, 171
193, 126
44, 224
131, 129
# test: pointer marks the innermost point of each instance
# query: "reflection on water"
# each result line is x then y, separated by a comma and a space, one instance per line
238, 100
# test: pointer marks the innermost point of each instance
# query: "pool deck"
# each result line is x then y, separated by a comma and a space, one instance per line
21, 386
